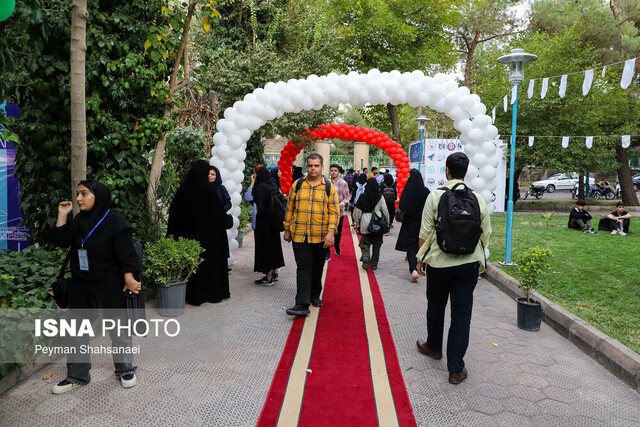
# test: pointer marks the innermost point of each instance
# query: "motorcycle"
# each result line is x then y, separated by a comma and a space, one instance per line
596, 191
534, 190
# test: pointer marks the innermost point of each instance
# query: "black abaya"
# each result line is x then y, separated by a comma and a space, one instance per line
197, 213
268, 245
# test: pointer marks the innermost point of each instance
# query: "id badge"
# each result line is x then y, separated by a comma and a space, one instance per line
83, 260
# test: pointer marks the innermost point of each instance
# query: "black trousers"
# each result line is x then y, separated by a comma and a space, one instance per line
309, 265
337, 237
455, 283
411, 257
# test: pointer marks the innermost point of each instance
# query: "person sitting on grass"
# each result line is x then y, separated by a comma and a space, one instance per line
580, 219
617, 221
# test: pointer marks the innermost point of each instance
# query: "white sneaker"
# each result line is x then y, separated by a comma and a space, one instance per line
128, 381
622, 233
614, 232
63, 387
414, 276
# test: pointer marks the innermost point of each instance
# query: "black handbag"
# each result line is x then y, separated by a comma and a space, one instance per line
61, 286
399, 215
228, 221
378, 224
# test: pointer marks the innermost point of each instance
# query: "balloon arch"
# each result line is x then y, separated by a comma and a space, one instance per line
440, 93
347, 132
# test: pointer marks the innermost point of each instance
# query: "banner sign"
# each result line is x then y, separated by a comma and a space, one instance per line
433, 165
13, 236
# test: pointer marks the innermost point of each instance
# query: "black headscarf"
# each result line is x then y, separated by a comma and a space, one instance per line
388, 180
362, 178
414, 195
297, 173
369, 199
274, 176
265, 187
84, 222
221, 190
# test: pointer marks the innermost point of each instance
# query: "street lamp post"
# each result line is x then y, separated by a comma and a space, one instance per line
421, 121
516, 61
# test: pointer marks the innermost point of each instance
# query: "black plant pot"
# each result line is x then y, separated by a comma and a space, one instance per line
529, 314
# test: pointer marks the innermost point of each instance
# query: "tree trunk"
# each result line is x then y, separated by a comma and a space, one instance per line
629, 197
470, 53
581, 180
78, 50
395, 128
182, 57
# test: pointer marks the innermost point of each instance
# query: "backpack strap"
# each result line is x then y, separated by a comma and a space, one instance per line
327, 186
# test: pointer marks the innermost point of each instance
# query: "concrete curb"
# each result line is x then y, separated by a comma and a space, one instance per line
613, 355
19, 374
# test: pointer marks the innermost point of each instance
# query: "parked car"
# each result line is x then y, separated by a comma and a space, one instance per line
560, 181
636, 185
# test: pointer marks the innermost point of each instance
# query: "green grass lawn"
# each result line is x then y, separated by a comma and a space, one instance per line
594, 276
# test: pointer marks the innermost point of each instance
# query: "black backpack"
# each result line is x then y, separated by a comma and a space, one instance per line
458, 226
389, 195
327, 185
277, 211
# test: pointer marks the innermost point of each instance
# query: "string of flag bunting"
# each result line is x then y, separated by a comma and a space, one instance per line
588, 140
625, 81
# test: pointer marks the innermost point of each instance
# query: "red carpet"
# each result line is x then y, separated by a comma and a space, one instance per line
339, 389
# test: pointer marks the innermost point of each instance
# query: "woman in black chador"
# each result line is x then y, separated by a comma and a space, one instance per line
103, 263
197, 213
268, 250
411, 204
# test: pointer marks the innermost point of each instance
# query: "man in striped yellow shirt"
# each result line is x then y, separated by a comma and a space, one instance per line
311, 223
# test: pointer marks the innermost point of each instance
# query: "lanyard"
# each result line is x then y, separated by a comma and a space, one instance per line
96, 226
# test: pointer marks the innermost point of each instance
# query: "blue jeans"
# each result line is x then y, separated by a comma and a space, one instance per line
455, 283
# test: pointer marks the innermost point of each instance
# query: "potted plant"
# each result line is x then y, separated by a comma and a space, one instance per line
169, 263
246, 210
532, 263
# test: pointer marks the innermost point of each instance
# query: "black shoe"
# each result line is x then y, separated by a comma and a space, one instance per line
338, 251
298, 310
264, 281
365, 262
274, 277
63, 387
374, 267
327, 257
316, 302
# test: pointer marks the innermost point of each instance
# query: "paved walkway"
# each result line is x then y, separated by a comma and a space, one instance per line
516, 378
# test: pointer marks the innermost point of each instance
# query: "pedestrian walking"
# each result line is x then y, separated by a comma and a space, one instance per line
103, 262
197, 213
451, 276
390, 195
310, 223
342, 188
369, 204
268, 247
411, 204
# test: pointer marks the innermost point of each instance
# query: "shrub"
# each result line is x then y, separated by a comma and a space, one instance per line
171, 261
532, 263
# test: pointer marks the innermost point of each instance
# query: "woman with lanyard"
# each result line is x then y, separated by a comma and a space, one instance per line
411, 204
103, 263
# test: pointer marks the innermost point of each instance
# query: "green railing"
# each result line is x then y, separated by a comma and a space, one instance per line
346, 161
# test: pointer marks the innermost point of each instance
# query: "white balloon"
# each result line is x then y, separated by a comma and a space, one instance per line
333, 92
306, 103
482, 121
220, 139
243, 107
230, 113
424, 98
250, 98
296, 97
477, 184
257, 108
450, 87
217, 162
487, 195
269, 113
233, 243
244, 134
457, 114
253, 123
230, 260
343, 81
472, 172
417, 75
288, 106
475, 135
463, 91
391, 88
490, 133
230, 185
277, 102
241, 121
476, 98
436, 91
479, 160
262, 96
283, 89
231, 164
374, 72
234, 141
426, 83
270, 87
488, 173
224, 152
214, 151
240, 155
235, 211
394, 75
292, 83
493, 161
478, 109
471, 150
466, 102
488, 148
464, 125
317, 95
491, 185
440, 79
451, 100
440, 105
232, 233
236, 198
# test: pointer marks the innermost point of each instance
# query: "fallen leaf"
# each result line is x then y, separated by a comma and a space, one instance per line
410, 367
309, 370
46, 377
495, 344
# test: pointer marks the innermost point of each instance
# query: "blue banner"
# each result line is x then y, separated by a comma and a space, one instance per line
13, 236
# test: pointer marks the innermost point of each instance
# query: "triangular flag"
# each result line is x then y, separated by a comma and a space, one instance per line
565, 141
588, 141
514, 94
586, 84
627, 73
505, 101
626, 141
531, 141
545, 86
530, 90
604, 71
493, 115
563, 86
